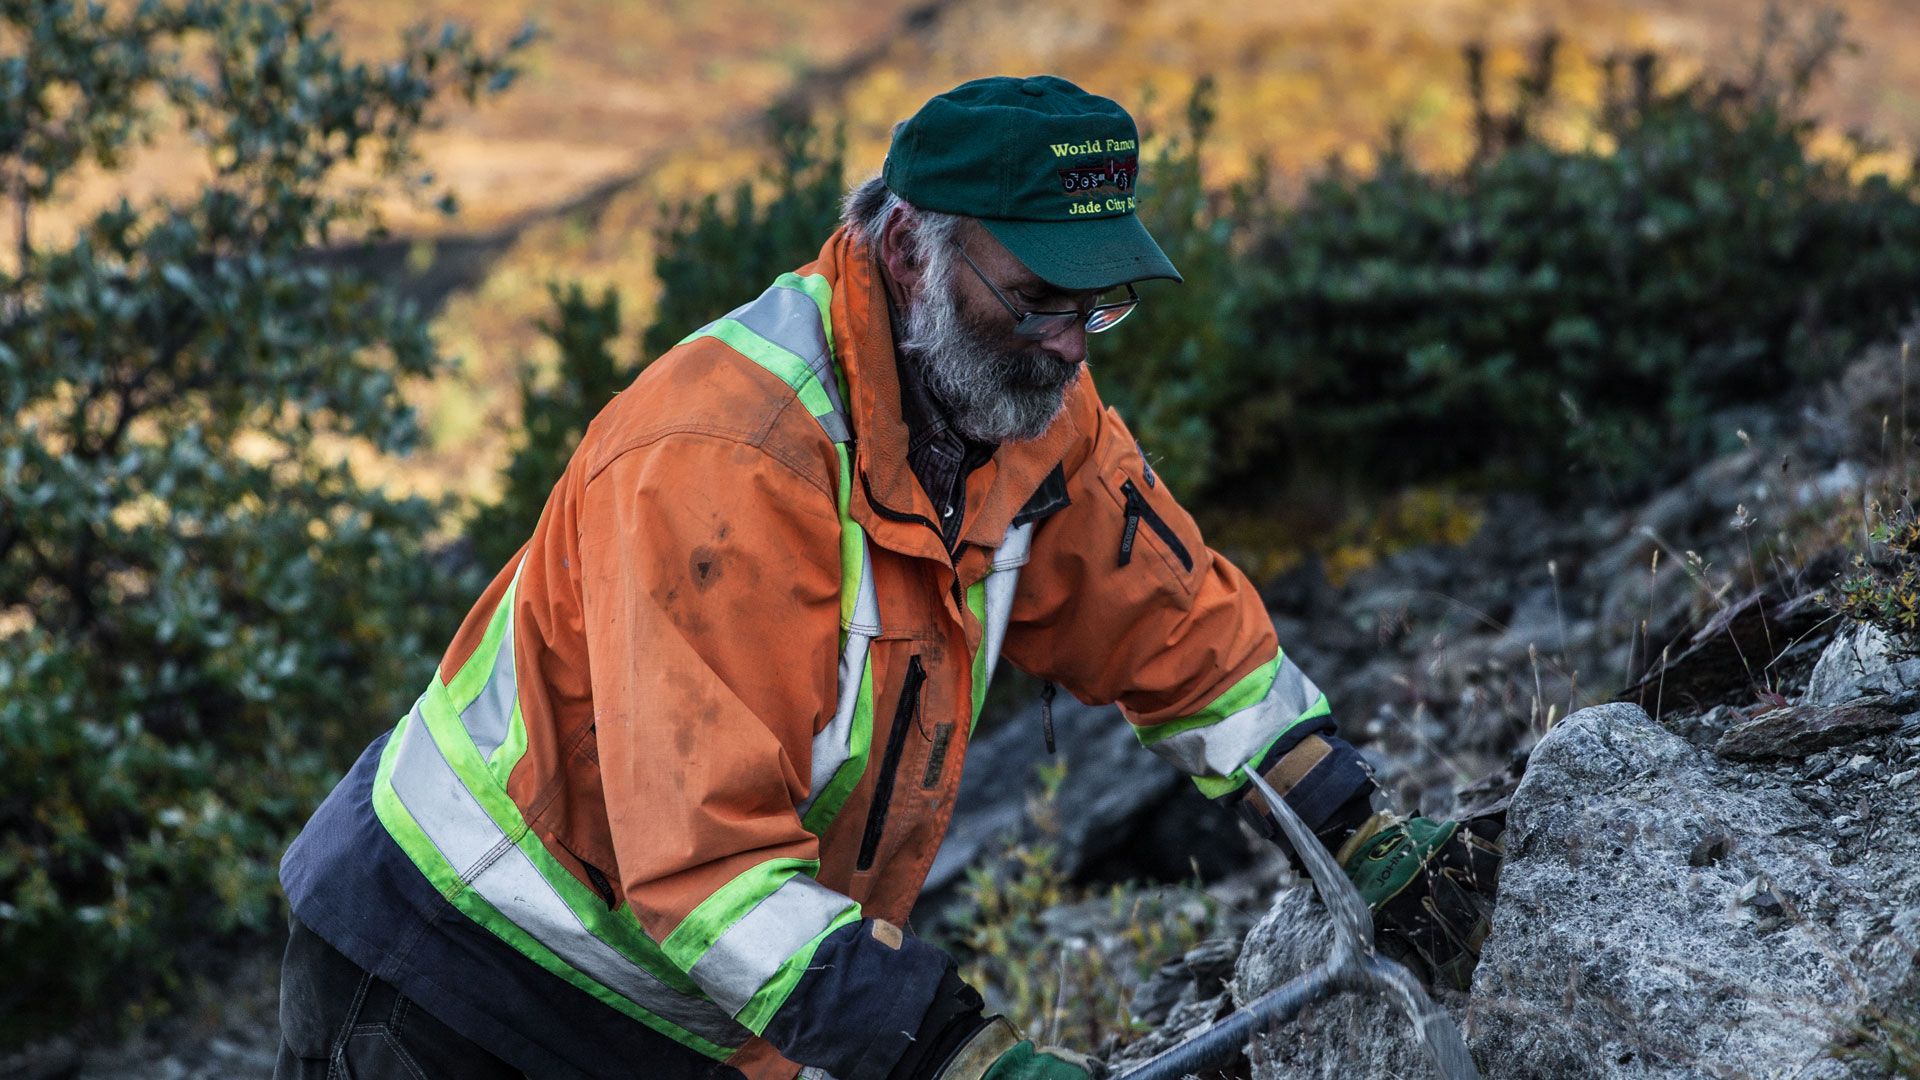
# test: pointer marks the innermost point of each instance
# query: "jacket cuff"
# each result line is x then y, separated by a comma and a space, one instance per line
952, 1021
1320, 776
864, 996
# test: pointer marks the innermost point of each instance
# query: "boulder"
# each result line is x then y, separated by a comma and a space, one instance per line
1862, 660
1665, 912
1184, 997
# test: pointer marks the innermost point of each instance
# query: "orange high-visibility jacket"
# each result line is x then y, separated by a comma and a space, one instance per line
675, 651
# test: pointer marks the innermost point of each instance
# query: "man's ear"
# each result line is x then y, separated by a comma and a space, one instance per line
897, 250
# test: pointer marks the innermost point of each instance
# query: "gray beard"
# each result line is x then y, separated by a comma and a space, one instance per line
990, 395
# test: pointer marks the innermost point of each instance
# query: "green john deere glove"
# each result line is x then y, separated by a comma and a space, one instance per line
996, 1052
1028, 1062
1431, 886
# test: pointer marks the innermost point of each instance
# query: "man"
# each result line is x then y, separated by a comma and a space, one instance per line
684, 767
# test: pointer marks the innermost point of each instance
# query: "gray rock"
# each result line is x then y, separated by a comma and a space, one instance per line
1187, 1019
1799, 730
1666, 913
1859, 662
1701, 729
1198, 975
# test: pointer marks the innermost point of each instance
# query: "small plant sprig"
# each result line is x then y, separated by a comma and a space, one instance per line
1071, 986
1884, 590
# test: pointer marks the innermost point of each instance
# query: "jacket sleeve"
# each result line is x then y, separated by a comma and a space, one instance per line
710, 578
1122, 601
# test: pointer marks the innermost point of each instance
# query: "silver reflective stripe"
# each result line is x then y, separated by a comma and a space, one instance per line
489, 862
1012, 554
487, 717
833, 745
1218, 749
791, 319
752, 950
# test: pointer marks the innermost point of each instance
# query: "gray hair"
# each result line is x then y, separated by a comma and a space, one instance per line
870, 204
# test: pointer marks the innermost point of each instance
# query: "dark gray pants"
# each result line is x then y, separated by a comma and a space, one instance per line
337, 1022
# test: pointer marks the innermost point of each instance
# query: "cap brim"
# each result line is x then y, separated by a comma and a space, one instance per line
1085, 256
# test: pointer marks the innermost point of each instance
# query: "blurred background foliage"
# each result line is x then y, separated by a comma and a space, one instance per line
203, 608
214, 587
1569, 318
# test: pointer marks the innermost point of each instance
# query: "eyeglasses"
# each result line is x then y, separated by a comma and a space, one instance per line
1045, 324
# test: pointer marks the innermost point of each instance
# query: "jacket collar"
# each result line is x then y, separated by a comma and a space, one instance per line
887, 500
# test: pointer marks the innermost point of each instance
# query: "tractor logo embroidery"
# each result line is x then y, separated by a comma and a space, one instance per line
1116, 173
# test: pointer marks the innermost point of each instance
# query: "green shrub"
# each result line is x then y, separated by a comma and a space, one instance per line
203, 612
1549, 311
1884, 589
1176, 368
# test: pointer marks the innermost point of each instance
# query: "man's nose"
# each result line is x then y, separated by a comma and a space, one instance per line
1069, 346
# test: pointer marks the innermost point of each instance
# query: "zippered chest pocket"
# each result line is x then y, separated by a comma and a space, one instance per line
1145, 515
1138, 511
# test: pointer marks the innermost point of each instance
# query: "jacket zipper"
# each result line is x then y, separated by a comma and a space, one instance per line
889, 765
906, 516
1138, 510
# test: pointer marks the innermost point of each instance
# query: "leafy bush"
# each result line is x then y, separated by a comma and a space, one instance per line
1551, 310
203, 612
1884, 589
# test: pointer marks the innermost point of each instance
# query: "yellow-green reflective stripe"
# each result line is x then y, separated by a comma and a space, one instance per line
777, 930
1231, 730
853, 539
471, 679
817, 287
793, 319
977, 603
823, 803
485, 691
704, 924
618, 929
844, 738
784, 365
760, 1009
508, 754
509, 885
1003, 580
1215, 786
1251, 688
822, 296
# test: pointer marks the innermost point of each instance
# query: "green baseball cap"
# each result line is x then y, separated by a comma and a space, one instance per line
1049, 169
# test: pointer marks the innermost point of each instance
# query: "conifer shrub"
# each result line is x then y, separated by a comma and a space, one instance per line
716, 253
1562, 315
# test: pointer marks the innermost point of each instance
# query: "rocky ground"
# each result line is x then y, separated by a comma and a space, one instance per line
1713, 876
